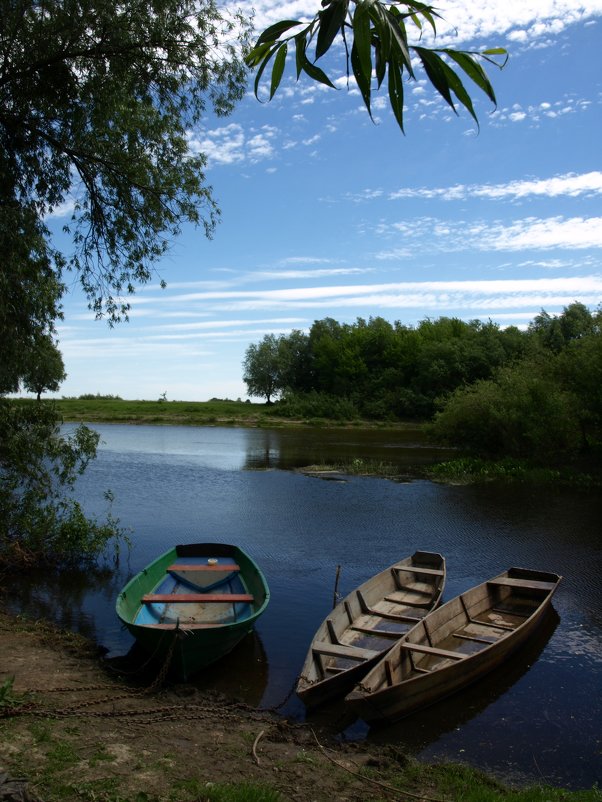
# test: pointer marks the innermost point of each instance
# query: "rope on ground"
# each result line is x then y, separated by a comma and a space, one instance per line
389, 788
255, 742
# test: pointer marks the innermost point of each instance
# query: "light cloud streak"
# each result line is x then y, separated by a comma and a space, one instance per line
570, 185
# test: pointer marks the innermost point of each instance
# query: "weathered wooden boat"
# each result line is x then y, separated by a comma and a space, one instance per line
455, 645
366, 623
193, 604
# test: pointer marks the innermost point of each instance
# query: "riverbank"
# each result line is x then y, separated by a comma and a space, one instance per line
73, 731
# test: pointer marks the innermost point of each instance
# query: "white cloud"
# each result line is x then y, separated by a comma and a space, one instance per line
570, 185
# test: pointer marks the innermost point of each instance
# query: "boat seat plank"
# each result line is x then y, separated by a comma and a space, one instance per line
416, 570
192, 567
474, 638
379, 633
530, 584
419, 647
184, 625
179, 598
340, 650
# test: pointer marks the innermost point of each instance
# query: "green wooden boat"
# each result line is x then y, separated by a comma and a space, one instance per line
193, 604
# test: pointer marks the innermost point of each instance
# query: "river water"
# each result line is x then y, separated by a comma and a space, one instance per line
536, 719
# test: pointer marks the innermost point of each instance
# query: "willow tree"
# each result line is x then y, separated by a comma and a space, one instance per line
97, 102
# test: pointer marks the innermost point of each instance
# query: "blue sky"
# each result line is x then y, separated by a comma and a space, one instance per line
326, 214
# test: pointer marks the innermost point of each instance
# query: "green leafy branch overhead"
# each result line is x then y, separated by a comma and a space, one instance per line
376, 47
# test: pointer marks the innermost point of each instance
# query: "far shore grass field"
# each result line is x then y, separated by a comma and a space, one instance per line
216, 412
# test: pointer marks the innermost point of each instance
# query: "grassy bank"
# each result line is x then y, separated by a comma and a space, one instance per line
181, 413
71, 731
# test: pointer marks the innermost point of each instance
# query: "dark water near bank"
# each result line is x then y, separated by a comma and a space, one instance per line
536, 719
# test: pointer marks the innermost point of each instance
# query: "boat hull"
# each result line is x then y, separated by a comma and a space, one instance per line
455, 645
366, 623
186, 636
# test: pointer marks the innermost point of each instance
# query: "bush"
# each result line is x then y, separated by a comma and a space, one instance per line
316, 405
39, 521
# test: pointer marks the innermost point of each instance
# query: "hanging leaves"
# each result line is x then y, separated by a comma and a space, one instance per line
379, 46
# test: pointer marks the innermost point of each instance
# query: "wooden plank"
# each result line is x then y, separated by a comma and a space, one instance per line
419, 647
415, 570
530, 584
474, 638
178, 598
183, 625
185, 567
340, 650
380, 633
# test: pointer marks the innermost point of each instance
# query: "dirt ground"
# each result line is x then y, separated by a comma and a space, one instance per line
71, 729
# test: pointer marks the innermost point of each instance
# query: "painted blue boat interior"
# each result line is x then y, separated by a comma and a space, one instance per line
173, 584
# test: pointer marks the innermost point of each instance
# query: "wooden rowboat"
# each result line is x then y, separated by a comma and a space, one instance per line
366, 624
193, 604
455, 645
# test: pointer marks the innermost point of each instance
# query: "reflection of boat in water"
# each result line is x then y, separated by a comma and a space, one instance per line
193, 604
367, 623
425, 727
225, 677
455, 645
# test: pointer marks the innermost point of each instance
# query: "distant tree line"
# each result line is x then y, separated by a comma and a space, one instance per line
493, 391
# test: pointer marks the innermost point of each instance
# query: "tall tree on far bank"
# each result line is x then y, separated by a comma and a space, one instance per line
45, 369
262, 368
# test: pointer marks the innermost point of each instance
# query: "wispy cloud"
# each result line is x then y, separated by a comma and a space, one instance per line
520, 22
531, 233
568, 185
232, 144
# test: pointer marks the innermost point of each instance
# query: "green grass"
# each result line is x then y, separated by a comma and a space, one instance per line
471, 470
201, 413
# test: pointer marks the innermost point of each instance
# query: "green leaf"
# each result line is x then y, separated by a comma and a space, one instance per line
316, 73
396, 93
264, 64
474, 71
363, 80
278, 69
457, 87
300, 48
399, 41
331, 22
274, 32
495, 51
432, 66
257, 54
362, 43
380, 63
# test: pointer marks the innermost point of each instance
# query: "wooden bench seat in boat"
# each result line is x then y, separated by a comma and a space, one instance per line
365, 607
530, 584
419, 647
179, 598
340, 650
415, 570
182, 567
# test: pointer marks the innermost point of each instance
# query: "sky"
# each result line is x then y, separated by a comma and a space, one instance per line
326, 213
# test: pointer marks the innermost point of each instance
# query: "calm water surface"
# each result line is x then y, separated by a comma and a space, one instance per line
536, 719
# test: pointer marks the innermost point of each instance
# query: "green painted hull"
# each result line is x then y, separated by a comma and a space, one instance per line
189, 648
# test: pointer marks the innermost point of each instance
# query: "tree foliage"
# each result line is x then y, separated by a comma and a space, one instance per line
39, 520
376, 47
492, 392
262, 368
97, 102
